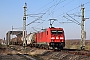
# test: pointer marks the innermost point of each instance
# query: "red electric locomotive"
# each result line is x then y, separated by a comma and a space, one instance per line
51, 37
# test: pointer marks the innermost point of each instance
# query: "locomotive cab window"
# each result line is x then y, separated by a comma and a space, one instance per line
56, 31
53, 31
60, 32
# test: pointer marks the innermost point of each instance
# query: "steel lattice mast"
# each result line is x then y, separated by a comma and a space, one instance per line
24, 26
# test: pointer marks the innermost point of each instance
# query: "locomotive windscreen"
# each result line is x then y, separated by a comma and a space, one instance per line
56, 31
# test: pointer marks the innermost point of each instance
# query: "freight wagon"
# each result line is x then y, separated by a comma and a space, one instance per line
16, 41
31, 39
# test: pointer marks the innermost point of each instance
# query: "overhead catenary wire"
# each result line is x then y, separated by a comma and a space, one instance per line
73, 18
45, 6
77, 15
38, 14
67, 11
35, 19
87, 11
65, 4
74, 14
65, 22
42, 7
62, 6
55, 6
39, 17
73, 9
52, 6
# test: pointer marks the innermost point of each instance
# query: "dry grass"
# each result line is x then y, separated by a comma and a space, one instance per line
75, 44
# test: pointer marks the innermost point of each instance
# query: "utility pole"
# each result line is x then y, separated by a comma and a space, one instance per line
82, 30
24, 26
83, 33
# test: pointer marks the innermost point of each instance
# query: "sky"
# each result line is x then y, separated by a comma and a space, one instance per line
12, 12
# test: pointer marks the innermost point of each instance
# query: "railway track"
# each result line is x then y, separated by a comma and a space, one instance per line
14, 53
77, 52
65, 54
16, 57
70, 51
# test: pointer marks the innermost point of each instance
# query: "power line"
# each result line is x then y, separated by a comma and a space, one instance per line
86, 2
74, 8
73, 19
62, 6
52, 6
39, 17
68, 11
40, 23
87, 11
65, 5
65, 22
57, 5
45, 5
35, 19
75, 15
49, 9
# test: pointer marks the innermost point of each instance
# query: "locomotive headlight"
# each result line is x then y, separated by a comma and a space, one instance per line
57, 37
52, 38
61, 38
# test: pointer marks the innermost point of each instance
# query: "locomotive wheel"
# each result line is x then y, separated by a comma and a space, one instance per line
31, 45
60, 48
37, 46
54, 48
46, 47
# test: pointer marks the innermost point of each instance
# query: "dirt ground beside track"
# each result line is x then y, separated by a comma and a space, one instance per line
17, 53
